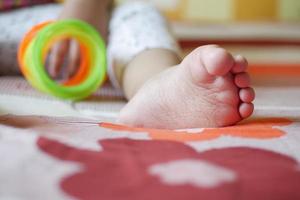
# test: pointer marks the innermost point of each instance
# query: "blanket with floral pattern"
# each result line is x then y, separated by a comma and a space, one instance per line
62, 150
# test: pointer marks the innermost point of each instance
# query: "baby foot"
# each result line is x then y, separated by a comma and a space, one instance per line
210, 88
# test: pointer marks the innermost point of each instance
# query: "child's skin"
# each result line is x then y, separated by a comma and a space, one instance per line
208, 88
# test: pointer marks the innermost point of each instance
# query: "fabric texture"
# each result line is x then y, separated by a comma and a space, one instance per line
84, 157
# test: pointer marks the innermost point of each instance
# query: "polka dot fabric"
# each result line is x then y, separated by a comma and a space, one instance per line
12, 4
13, 26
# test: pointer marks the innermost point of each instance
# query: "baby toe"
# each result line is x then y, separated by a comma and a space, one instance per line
218, 61
246, 109
240, 65
247, 95
242, 80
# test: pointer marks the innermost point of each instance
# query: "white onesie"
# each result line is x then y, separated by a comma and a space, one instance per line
136, 27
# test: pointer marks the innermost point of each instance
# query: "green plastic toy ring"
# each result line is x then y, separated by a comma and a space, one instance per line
91, 73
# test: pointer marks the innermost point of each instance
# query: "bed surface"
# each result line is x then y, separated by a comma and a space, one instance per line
50, 149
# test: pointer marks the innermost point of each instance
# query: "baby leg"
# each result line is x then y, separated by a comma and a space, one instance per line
209, 88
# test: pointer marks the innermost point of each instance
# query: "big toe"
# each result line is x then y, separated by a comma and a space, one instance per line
217, 61
208, 62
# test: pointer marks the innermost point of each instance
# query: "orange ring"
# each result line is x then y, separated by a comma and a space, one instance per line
82, 71
26, 41
33, 56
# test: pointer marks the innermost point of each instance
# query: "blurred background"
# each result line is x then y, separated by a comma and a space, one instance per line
267, 32
229, 10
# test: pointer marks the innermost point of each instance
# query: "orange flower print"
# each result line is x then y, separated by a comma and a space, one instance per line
265, 128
